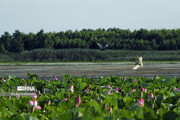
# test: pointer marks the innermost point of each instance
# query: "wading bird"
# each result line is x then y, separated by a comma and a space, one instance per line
138, 63
102, 47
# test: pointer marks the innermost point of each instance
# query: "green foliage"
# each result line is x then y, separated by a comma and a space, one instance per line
96, 103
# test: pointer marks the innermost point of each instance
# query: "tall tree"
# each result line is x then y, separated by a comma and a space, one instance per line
6, 40
17, 44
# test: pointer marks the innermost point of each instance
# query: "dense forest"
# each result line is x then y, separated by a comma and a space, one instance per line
142, 39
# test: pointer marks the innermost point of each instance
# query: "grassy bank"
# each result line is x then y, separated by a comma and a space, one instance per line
88, 55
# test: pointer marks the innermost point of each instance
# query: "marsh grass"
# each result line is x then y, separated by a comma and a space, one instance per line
88, 55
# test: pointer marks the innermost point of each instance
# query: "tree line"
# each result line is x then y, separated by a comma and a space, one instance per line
142, 39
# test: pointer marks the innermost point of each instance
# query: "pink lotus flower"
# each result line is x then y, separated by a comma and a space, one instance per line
34, 96
25, 84
124, 78
108, 86
71, 88
34, 104
110, 110
140, 102
177, 89
77, 101
55, 78
109, 92
150, 96
86, 90
134, 80
65, 99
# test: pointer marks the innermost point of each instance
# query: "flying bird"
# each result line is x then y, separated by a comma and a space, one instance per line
102, 47
138, 63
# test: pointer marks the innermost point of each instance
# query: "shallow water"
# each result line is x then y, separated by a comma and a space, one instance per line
48, 70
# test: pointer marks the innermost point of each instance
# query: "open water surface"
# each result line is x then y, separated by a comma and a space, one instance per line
48, 70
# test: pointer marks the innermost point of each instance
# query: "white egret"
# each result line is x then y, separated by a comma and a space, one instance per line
138, 64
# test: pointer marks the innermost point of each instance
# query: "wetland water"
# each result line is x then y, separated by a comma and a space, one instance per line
48, 70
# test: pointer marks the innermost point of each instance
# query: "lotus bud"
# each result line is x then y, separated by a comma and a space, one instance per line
39, 92
9, 97
153, 106
133, 90
154, 102
116, 89
71, 88
142, 89
49, 102
145, 90
89, 85
100, 101
124, 78
77, 101
104, 106
155, 75
151, 95
25, 84
157, 111
110, 110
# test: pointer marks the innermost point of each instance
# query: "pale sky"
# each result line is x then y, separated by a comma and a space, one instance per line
61, 15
